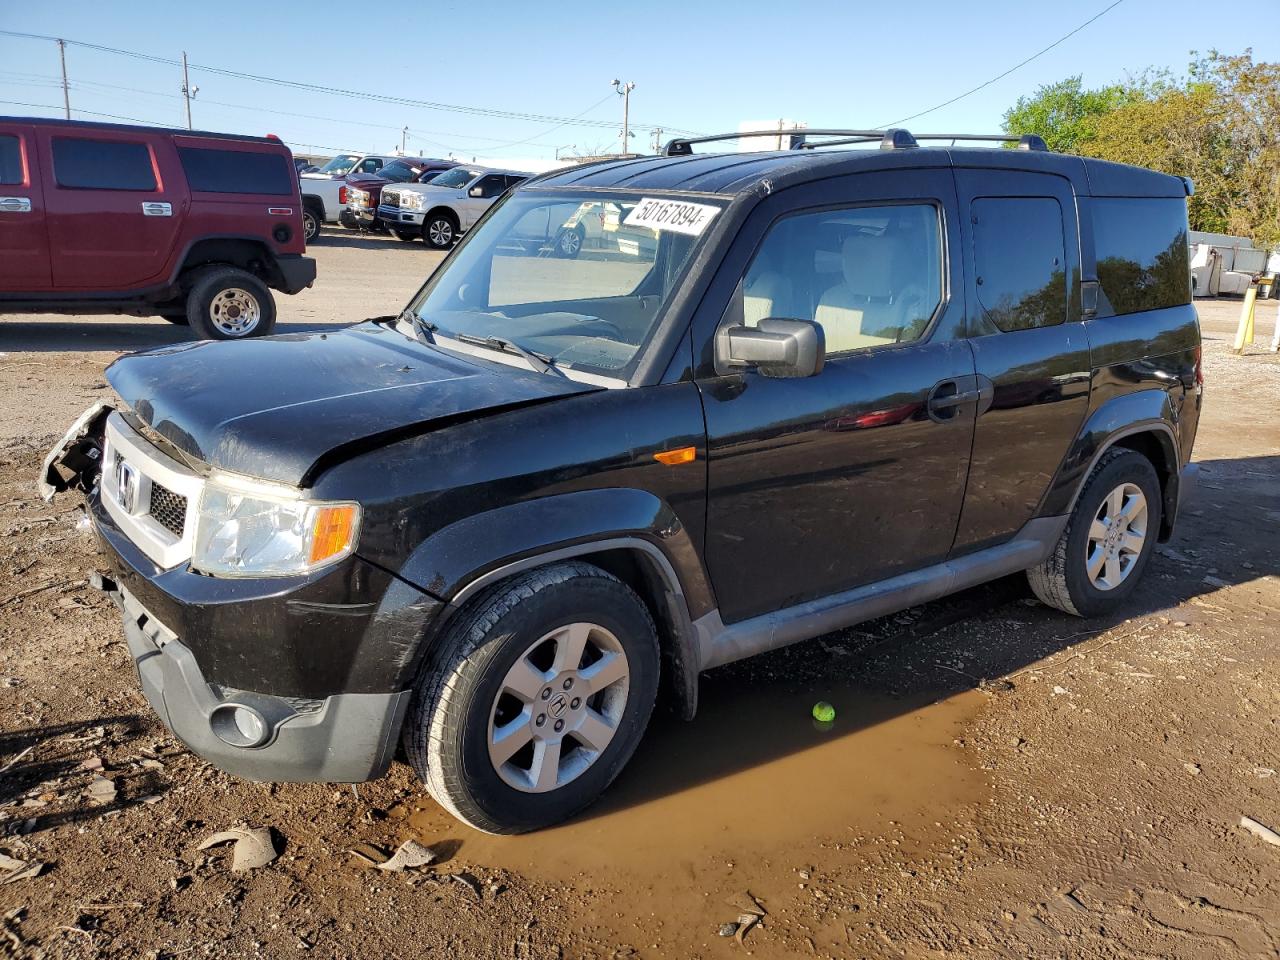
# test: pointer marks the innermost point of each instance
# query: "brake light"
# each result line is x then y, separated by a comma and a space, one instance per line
342, 194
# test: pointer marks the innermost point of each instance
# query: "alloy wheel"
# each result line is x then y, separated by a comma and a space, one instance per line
558, 708
1116, 536
441, 232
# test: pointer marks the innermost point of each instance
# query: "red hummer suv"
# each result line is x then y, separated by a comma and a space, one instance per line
194, 227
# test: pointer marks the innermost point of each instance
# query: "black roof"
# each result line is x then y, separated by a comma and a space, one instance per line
137, 128
733, 174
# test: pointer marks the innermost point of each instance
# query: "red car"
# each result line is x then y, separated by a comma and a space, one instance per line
197, 228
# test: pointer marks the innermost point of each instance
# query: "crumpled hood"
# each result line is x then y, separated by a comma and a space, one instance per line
273, 407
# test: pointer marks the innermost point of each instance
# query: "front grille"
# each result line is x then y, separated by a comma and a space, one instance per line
390, 198
168, 509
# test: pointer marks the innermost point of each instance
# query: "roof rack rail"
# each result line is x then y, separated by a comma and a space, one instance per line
1027, 141
895, 138
681, 147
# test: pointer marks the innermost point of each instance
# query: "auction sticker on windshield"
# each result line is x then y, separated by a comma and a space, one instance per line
679, 216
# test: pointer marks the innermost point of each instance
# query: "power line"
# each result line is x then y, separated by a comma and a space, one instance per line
1016, 66
92, 113
333, 91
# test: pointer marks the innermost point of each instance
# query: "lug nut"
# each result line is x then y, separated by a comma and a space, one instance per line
542, 719
546, 694
568, 683
559, 725
575, 703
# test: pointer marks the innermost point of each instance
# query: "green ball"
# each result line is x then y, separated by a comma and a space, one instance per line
823, 712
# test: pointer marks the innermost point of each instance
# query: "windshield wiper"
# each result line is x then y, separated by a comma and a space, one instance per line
539, 361
423, 330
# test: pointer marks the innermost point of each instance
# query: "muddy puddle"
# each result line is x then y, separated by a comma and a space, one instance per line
744, 797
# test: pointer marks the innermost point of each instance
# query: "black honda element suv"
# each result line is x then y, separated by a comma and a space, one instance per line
773, 395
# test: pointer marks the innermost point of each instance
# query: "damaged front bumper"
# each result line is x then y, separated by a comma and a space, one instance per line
303, 678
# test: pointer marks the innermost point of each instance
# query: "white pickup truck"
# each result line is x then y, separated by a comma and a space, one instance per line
324, 193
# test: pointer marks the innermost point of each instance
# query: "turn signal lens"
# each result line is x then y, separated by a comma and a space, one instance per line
333, 532
673, 457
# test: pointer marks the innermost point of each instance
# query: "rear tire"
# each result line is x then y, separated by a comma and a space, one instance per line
310, 224
1110, 536
227, 303
512, 658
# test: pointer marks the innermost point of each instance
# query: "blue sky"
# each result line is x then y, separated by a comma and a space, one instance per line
700, 66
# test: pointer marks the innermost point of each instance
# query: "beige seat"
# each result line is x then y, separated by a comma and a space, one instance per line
766, 294
859, 312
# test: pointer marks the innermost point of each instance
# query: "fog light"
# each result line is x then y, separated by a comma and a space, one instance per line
238, 725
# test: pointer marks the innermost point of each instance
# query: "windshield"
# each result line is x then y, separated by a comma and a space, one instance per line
568, 277
397, 171
340, 164
457, 177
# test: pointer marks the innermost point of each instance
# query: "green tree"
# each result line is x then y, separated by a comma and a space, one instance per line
1219, 124
1065, 114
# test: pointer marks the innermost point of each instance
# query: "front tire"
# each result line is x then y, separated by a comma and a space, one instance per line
538, 699
569, 243
408, 236
440, 230
1110, 536
227, 303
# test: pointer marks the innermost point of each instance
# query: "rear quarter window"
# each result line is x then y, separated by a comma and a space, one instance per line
236, 171
1142, 252
11, 160
102, 165
1019, 257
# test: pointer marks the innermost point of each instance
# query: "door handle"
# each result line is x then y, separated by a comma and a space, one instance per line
953, 400
15, 204
947, 396
152, 208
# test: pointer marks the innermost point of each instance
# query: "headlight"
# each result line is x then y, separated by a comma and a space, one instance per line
243, 530
360, 196
413, 201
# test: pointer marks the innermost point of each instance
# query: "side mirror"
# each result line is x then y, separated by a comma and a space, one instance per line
776, 347
477, 192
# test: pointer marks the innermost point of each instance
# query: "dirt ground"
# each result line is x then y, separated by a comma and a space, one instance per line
1000, 781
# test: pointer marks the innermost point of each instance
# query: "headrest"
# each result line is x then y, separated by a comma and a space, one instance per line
867, 265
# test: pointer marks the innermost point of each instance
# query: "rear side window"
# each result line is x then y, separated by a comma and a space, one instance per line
10, 160
102, 165
1142, 252
236, 171
1019, 260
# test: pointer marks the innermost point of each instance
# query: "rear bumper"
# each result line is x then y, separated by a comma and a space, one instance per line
296, 273
349, 218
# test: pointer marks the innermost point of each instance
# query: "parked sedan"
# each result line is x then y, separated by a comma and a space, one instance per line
444, 209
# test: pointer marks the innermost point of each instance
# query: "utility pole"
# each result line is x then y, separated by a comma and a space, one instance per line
624, 91
66, 93
656, 133
188, 91
404, 133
